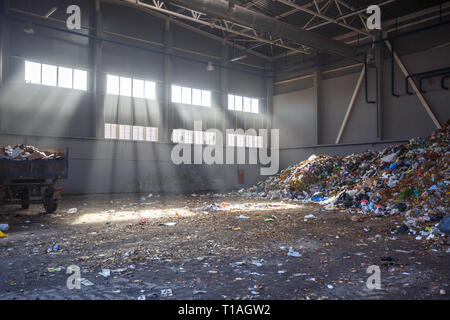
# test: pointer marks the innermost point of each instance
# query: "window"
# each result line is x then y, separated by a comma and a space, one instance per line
231, 140
138, 88
197, 97
79, 79
210, 138
127, 132
260, 142
129, 87
52, 75
65, 77
49, 75
247, 104
110, 131
138, 133
241, 140
206, 98
193, 137
239, 103
112, 84
186, 95
151, 134
124, 132
150, 90
198, 137
32, 72
250, 141
125, 86
188, 136
230, 102
191, 96
176, 94
177, 136
255, 106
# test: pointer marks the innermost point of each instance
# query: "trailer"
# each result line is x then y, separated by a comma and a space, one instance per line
28, 182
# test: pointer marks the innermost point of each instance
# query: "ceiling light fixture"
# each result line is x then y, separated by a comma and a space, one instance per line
210, 66
29, 28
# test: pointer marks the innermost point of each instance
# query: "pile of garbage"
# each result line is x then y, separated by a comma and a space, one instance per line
411, 178
22, 152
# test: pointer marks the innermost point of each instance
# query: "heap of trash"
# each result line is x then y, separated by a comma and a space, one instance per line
22, 152
411, 178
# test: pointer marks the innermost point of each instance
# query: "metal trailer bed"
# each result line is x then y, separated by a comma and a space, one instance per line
28, 182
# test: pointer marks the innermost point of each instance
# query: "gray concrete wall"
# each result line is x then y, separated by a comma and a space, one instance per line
103, 166
50, 117
403, 117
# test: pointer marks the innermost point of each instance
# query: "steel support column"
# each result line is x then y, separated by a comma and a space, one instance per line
167, 111
222, 114
4, 61
269, 104
380, 88
317, 79
98, 81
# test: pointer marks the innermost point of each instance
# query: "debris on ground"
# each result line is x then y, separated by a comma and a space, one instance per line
410, 179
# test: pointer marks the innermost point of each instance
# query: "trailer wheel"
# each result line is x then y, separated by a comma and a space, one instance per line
50, 207
25, 199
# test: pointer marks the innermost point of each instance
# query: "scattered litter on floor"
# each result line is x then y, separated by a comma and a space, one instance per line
410, 179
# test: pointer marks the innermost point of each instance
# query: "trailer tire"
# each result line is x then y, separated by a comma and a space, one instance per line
50, 207
25, 200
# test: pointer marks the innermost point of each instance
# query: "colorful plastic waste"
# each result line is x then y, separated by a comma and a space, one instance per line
411, 179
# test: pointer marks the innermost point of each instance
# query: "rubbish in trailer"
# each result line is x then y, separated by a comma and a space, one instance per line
22, 152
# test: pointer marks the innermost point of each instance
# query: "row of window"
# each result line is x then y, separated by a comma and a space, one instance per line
51, 75
130, 87
245, 104
127, 132
193, 137
140, 133
242, 140
192, 96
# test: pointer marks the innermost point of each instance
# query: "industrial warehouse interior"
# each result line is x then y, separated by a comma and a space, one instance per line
241, 150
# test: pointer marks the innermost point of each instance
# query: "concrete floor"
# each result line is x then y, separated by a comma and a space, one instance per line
212, 254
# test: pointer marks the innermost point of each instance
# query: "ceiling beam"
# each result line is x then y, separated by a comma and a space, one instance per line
188, 27
212, 25
320, 15
348, 15
267, 24
390, 25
